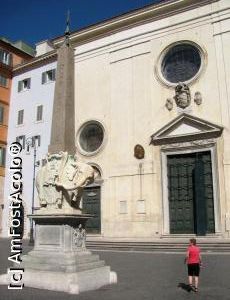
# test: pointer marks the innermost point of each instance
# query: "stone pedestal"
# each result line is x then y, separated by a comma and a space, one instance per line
59, 260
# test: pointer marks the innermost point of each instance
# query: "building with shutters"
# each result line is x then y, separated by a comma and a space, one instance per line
152, 117
29, 123
11, 54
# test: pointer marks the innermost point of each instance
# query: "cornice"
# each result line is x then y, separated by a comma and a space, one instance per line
17, 51
35, 62
116, 24
134, 18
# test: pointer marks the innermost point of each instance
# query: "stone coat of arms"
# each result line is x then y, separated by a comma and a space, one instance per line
182, 95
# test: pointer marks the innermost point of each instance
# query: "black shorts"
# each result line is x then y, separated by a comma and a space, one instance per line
193, 269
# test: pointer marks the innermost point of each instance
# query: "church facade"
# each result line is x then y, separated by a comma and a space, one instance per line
152, 117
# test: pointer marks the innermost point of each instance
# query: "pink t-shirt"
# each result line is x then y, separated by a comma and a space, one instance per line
193, 255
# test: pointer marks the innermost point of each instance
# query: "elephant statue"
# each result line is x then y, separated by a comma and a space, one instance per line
60, 182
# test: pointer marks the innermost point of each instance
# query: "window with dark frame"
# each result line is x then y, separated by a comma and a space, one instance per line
21, 140
91, 137
49, 76
5, 57
36, 141
181, 63
3, 81
39, 113
24, 85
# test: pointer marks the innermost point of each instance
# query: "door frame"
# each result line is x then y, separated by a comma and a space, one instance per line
164, 180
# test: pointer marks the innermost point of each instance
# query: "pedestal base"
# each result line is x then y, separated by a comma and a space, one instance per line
60, 260
72, 283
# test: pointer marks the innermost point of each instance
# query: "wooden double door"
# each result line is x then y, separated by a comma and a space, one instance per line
190, 193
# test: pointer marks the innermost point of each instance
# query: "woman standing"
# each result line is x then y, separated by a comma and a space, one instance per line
193, 259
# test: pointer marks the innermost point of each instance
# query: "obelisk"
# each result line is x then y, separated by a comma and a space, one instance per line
59, 260
63, 125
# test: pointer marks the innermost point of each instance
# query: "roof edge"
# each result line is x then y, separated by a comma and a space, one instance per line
133, 18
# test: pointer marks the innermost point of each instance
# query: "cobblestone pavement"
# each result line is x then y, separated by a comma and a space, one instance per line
141, 276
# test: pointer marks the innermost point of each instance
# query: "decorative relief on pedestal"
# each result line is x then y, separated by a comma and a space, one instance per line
61, 181
198, 98
79, 237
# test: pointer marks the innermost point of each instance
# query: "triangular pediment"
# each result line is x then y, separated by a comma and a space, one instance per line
186, 128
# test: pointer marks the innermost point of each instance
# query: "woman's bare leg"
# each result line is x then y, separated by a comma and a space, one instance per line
196, 282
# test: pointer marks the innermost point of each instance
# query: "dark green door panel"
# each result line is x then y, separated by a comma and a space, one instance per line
200, 211
180, 188
91, 204
190, 193
208, 191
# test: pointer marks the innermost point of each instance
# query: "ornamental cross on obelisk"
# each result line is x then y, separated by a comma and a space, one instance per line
63, 125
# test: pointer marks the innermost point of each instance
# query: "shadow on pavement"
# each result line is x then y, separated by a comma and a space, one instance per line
185, 287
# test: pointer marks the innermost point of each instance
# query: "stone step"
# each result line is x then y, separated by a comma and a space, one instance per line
157, 246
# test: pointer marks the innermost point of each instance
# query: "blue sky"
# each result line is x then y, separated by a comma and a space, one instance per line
35, 20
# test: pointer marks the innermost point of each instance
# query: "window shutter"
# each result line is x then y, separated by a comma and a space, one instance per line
1, 114
20, 116
18, 122
39, 113
39, 140
33, 141
10, 59
20, 85
29, 82
54, 74
21, 140
2, 156
1, 55
43, 77
37, 117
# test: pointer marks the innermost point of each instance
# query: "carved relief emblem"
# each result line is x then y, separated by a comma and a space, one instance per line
182, 95
79, 236
169, 104
198, 98
139, 152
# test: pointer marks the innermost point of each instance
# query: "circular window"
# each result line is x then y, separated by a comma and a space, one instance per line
181, 63
91, 137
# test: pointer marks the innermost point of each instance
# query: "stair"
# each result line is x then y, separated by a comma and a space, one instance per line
170, 246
